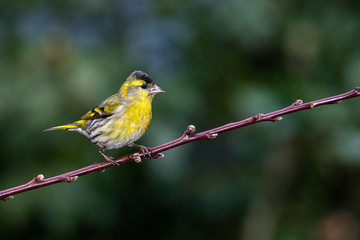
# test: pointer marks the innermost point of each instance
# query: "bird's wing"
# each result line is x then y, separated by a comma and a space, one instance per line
105, 109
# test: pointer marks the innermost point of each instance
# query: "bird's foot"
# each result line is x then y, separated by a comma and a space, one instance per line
108, 158
145, 150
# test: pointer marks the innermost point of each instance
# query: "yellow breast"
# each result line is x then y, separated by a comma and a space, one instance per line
128, 123
133, 122
125, 127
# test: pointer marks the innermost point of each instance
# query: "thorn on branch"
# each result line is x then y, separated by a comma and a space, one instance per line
275, 119
70, 179
357, 90
312, 105
211, 136
257, 117
158, 155
135, 157
297, 102
7, 198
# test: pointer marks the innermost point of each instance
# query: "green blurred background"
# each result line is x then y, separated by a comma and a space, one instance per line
219, 62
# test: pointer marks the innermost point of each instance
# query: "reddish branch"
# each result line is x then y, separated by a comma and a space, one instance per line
187, 137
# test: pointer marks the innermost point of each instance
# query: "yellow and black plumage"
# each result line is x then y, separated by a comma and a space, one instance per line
121, 119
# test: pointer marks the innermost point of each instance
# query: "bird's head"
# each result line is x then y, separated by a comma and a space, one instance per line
139, 87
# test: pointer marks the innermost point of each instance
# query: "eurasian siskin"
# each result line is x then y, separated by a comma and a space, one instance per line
120, 119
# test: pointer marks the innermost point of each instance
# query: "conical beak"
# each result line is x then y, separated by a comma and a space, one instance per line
155, 90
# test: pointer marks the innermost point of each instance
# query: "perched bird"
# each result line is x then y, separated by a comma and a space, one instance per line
120, 119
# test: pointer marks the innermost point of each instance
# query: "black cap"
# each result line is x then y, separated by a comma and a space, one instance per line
142, 76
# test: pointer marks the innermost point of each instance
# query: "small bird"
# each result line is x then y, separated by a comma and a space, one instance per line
121, 119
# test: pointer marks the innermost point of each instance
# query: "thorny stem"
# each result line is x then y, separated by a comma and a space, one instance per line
187, 137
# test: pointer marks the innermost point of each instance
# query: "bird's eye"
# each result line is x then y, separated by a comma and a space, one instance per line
143, 86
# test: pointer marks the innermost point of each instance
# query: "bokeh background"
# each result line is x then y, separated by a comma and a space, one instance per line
219, 62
